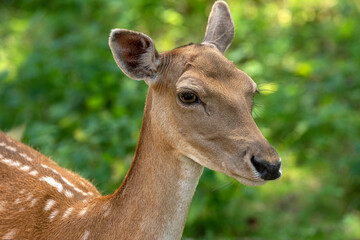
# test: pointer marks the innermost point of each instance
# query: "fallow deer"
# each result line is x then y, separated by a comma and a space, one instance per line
198, 113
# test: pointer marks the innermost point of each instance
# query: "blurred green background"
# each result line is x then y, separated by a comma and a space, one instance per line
62, 93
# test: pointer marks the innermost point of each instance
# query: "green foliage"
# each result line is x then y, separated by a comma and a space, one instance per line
58, 81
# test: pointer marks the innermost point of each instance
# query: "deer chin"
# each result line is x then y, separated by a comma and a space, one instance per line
247, 181
255, 181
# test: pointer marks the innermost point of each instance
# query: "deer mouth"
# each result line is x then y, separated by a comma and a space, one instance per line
247, 181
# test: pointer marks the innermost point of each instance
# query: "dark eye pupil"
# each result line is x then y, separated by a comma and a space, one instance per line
188, 97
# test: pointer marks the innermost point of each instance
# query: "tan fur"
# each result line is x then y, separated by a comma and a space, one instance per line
40, 200
149, 197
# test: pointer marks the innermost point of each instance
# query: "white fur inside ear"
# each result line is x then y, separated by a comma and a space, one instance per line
148, 60
209, 44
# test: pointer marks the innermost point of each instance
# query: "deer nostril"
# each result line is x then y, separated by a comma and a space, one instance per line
266, 170
259, 166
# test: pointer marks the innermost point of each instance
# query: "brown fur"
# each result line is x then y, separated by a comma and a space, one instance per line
176, 142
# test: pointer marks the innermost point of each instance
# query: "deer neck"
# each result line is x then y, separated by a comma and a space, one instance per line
158, 188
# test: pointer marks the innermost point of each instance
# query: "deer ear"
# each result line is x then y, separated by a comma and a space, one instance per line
220, 28
135, 54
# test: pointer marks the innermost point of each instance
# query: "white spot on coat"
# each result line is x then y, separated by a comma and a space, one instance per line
53, 215
25, 168
67, 212
49, 204
33, 202
2, 144
53, 170
78, 190
66, 181
10, 148
15, 164
69, 194
11, 163
86, 235
25, 156
33, 173
53, 183
29, 197
10, 234
6, 161
82, 212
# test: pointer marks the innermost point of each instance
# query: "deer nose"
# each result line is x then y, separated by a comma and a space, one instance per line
266, 170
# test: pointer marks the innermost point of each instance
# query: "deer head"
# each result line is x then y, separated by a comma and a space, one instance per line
200, 104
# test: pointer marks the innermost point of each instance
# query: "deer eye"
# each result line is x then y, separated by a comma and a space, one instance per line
188, 97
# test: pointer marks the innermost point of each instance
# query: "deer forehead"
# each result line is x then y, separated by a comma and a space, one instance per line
203, 67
